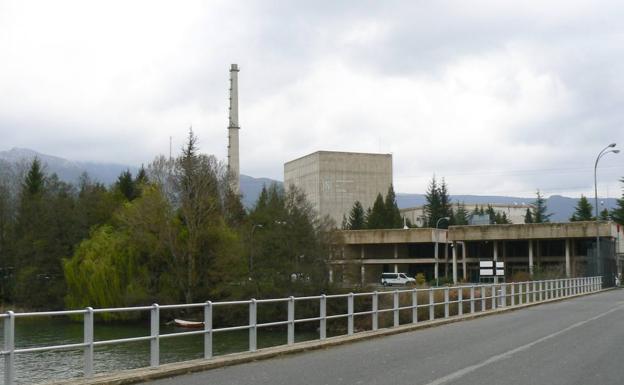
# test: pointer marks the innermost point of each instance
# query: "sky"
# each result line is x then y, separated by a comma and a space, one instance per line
496, 97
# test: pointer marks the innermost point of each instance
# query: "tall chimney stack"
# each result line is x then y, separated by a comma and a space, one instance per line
233, 127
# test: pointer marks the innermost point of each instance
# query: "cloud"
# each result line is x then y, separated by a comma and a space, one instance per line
499, 97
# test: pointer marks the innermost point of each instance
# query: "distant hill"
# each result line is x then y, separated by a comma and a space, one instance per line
107, 173
561, 207
67, 170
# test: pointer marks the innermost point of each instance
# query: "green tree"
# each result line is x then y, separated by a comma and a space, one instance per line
540, 214
392, 214
438, 204
357, 220
604, 215
460, 215
528, 217
617, 214
583, 211
377, 217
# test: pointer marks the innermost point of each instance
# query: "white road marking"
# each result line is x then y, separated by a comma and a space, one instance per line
469, 369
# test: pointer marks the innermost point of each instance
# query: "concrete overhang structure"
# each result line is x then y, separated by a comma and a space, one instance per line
548, 248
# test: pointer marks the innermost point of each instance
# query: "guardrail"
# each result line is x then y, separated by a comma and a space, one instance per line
498, 295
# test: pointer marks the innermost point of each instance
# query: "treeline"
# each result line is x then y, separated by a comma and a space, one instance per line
175, 232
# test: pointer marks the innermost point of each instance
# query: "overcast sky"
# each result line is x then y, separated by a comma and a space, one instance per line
497, 97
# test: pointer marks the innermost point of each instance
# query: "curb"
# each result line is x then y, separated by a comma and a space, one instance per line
134, 376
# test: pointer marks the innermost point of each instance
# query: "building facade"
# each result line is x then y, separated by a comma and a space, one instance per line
333, 181
565, 249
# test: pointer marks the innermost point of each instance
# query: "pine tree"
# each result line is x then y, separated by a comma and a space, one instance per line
357, 220
392, 214
125, 185
433, 206
540, 210
617, 214
460, 216
376, 219
604, 215
583, 211
528, 217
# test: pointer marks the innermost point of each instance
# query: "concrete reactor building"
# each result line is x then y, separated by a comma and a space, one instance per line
333, 181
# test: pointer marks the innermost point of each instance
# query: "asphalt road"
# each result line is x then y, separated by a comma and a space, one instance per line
578, 341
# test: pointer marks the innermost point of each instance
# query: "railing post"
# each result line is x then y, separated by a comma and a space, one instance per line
528, 292
154, 333
350, 315
395, 301
208, 330
414, 306
253, 321
375, 314
446, 302
513, 294
9, 347
472, 299
460, 301
494, 296
291, 320
540, 287
483, 290
323, 315
88, 341
431, 305
520, 302
534, 284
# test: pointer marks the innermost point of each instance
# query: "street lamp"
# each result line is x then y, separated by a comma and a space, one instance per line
435, 267
604, 151
253, 227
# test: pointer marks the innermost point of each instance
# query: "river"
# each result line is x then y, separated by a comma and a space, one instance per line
33, 368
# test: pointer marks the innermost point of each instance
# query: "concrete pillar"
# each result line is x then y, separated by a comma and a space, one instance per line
362, 252
531, 257
567, 258
363, 274
495, 247
436, 264
454, 246
396, 255
331, 275
464, 256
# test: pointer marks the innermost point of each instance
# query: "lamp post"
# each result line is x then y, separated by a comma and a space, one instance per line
435, 266
604, 151
253, 227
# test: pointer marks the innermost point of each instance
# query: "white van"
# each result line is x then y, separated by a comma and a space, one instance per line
389, 279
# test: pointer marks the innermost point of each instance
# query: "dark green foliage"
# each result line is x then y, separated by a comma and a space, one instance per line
583, 211
391, 211
617, 214
460, 215
604, 215
357, 219
377, 217
287, 248
528, 217
539, 211
438, 204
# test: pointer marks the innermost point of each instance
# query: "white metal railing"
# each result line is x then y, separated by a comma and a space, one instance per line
499, 295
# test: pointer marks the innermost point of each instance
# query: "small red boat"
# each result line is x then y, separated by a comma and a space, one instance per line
188, 324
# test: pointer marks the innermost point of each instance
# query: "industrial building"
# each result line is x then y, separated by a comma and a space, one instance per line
333, 181
360, 256
514, 212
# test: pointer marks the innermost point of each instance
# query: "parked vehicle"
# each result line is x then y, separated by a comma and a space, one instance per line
389, 279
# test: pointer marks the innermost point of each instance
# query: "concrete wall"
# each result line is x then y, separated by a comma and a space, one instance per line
333, 181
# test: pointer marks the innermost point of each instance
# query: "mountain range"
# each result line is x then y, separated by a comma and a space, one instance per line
561, 207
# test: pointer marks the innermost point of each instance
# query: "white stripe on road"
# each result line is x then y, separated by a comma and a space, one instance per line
469, 369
